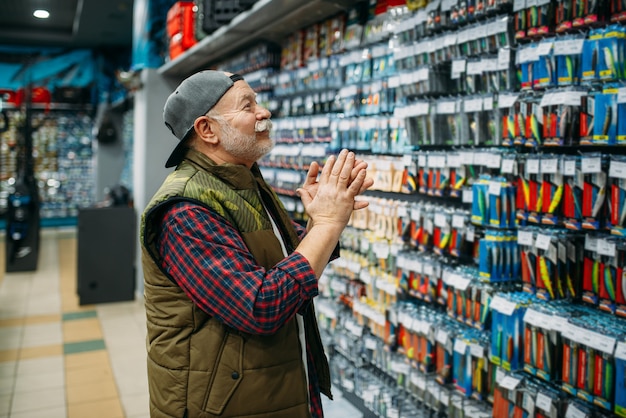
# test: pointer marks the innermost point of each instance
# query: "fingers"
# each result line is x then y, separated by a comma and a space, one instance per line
311, 175
357, 183
340, 172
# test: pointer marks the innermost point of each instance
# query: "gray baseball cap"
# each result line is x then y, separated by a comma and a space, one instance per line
193, 97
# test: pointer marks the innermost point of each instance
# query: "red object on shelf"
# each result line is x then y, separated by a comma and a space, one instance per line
181, 27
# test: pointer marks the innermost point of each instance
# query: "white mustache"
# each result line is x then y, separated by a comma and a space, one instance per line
263, 125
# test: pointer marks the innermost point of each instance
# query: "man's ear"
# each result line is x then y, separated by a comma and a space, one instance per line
206, 129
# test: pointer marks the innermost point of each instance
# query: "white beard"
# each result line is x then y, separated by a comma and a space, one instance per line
242, 146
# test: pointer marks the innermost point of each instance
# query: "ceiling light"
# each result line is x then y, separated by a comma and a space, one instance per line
41, 14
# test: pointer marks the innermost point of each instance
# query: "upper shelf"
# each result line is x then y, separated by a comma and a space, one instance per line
267, 20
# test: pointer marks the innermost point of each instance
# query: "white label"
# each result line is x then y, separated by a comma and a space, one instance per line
549, 165
525, 238
502, 305
617, 169
494, 188
532, 166
441, 336
569, 168
573, 412
477, 350
544, 402
543, 241
606, 248
508, 165
509, 383
458, 221
458, 67
507, 100
468, 196
592, 165
460, 346
504, 58
544, 48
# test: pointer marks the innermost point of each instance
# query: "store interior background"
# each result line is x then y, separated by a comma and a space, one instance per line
435, 307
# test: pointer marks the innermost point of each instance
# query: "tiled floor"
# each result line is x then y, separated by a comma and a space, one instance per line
62, 360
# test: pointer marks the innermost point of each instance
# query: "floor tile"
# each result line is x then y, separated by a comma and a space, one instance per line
11, 337
35, 366
82, 346
42, 334
76, 377
91, 392
40, 351
41, 319
46, 399
56, 412
71, 316
86, 359
82, 330
41, 381
108, 408
5, 403
9, 355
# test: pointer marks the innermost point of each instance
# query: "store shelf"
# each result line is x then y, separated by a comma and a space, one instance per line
267, 20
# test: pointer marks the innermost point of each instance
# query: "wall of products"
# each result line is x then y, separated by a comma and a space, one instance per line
62, 160
486, 277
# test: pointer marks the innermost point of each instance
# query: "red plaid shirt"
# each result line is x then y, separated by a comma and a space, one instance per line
199, 248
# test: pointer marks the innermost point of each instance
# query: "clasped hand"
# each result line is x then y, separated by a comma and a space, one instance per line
331, 198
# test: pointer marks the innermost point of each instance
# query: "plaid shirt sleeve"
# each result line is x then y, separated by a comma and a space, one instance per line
209, 260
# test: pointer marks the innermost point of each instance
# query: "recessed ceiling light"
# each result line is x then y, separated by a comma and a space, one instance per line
41, 14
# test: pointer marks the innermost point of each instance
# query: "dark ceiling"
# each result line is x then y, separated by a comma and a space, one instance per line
72, 23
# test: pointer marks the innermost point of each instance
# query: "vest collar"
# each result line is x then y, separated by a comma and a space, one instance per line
237, 176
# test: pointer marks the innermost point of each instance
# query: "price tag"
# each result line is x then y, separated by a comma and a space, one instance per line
574, 412
507, 100
606, 248
544, 48
592, 165
458, 221
621, 95
509, 383
468, 196
441, 336
371, 343
495, 188
549, 165
532, 166
502, 305
525, 238
460, 346
569, 168
504, 58
508, 166
477, 351
469, 234
544, 402
617, 169
543, 241
458, 68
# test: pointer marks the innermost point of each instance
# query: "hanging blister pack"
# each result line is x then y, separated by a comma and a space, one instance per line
544, 68
568, 53
573, 184
448, 127
591, 59
594, 191
617, 184
508, 107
